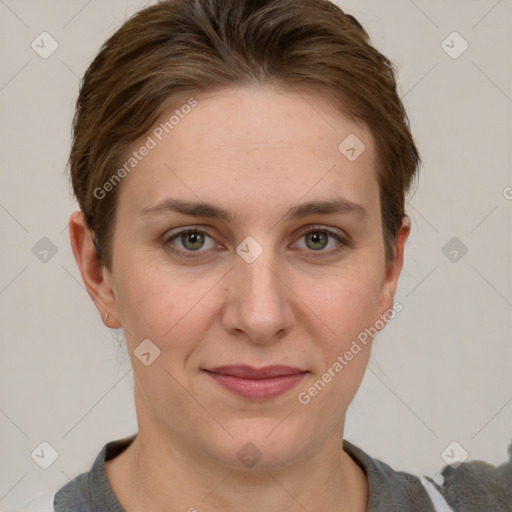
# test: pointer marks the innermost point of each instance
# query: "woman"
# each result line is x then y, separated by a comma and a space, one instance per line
241, 169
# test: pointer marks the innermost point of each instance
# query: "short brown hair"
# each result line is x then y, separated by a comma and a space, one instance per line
175, 48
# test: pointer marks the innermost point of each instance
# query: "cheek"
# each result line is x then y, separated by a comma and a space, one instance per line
142, 301
347, 303
348, 308
158, 305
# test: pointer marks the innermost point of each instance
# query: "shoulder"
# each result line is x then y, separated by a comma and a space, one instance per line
91, 491
478, 486
74, 496
474, 486
390, 489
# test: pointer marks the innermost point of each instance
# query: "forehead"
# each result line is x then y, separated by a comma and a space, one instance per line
250, 147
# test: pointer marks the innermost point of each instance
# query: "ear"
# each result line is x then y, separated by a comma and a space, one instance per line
97, 279
394, 268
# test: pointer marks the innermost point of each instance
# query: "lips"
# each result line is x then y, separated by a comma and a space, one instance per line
248, 372
257, 383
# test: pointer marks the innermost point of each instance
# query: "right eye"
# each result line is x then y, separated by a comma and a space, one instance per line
192, 240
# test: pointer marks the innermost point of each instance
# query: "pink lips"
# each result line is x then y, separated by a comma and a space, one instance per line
257, 384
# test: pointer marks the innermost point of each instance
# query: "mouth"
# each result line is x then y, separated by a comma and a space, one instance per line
257, 383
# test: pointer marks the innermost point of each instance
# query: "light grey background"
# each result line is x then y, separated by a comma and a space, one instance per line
441, 370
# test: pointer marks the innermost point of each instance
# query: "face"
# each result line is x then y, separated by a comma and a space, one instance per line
268, 282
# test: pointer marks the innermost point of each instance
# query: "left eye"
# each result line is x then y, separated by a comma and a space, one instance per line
193, 240
318, 239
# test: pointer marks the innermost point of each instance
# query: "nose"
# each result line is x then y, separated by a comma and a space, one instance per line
259, 302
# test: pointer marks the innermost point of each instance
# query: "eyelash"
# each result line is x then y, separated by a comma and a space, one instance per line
343, 243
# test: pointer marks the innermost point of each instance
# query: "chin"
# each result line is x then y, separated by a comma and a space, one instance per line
260, 444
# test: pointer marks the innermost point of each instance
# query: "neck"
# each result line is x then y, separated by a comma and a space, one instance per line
153, 475
161, 470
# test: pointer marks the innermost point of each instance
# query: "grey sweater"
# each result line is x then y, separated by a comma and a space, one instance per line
472, 487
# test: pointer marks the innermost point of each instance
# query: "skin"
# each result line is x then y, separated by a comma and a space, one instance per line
257, 151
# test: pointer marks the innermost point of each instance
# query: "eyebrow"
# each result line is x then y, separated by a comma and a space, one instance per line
337, 205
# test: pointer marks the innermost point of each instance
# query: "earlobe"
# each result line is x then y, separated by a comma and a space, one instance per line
95, 276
